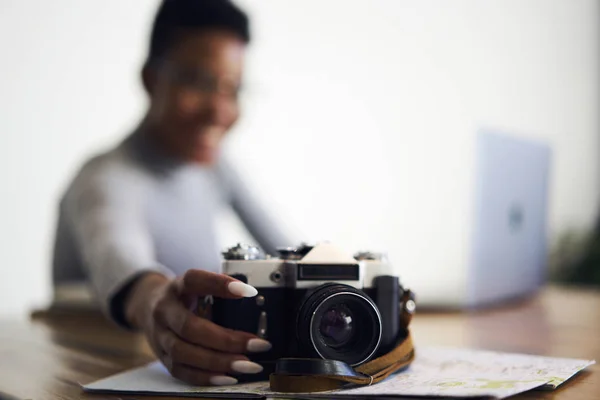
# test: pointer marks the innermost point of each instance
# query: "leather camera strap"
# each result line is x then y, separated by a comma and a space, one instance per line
309, 375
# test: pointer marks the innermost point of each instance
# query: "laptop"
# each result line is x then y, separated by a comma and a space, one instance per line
509, 246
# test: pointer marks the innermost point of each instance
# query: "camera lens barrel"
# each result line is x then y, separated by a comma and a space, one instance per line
338, 322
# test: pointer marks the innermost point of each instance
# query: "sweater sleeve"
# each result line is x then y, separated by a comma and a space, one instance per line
105, 209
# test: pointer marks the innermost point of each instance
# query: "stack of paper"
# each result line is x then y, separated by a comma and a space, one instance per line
442, 372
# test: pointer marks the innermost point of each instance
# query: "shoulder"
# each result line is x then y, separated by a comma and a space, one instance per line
112, 171
115, 164
227, 174
223, 168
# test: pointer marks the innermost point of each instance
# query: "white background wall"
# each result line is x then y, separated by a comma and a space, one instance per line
359, 119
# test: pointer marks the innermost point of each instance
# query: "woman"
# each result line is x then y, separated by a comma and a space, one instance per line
137, 222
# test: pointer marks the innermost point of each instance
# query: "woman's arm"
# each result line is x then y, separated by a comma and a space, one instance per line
107, 214
105, 211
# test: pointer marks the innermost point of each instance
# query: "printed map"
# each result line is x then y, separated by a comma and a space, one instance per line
436, 371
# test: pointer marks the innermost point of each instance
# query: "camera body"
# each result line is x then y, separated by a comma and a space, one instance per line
314, 302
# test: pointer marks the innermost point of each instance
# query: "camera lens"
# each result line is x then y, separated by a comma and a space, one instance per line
337, 327
339, 322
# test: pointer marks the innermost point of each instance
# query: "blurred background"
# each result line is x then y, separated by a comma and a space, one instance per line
359, 120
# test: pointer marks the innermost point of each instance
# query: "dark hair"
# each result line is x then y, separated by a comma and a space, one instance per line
175, 15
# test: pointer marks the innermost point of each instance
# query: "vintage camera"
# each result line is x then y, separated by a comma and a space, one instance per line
314, 302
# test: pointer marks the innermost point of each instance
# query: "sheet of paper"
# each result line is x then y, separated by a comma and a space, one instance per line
446, 372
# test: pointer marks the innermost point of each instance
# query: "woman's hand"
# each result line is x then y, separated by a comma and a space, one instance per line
192, 348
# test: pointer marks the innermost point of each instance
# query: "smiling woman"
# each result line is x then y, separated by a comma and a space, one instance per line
137, 223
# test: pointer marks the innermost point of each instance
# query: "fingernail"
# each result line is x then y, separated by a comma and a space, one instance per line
258, 345
241, 289
222, 380
246, 367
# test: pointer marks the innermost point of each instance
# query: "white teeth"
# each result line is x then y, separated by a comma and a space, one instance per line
241, 289
258, 345
246, 367
222, 380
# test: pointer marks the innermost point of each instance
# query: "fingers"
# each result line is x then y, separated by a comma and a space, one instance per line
201, 358
194, 349
214, 336
200, 331
200, 283
198, 377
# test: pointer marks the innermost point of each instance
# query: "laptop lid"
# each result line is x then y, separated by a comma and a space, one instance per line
509, 242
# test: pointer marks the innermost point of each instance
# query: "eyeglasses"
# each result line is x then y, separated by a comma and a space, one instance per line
202, 82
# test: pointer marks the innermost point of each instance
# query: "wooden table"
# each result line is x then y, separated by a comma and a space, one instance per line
47, 357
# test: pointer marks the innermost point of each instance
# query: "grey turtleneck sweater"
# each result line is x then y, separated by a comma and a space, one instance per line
131, 210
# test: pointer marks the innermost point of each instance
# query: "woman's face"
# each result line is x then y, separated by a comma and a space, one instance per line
194, 94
